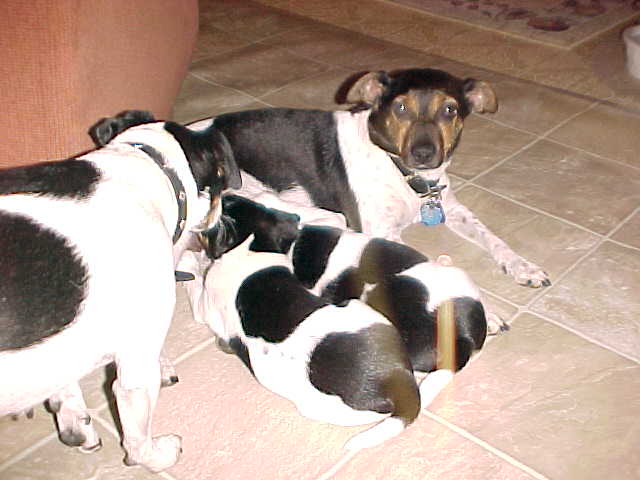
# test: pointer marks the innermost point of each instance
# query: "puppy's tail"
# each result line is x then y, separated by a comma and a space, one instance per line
401, 390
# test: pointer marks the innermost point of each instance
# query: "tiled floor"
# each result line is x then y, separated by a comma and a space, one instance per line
555, 172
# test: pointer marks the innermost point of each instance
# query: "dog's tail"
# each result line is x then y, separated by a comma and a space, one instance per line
401, 390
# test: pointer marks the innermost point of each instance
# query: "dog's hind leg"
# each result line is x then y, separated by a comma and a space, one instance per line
136, 390
75, 426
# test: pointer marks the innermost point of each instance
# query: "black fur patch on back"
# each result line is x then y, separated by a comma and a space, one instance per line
70, 178
284, 148
272, 303
311, 252
382, 258
42, 283
353, 366
403, 300
344, 287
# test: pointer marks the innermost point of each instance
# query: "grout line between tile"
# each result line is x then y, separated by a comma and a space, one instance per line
582, 335
598, 244
537, 139
201, 78
346, 458
499, 453
19, 456
194, 350
535, 209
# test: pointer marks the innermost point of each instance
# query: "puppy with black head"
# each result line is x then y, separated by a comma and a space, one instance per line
394, 279
383, 164
342, 364
88, 251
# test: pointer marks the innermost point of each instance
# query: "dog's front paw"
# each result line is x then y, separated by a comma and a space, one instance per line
495, 324
527, 273
164, 453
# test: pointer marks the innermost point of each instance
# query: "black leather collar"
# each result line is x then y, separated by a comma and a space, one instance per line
176, 183
421, 186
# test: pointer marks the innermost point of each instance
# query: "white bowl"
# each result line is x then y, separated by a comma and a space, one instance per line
631, 38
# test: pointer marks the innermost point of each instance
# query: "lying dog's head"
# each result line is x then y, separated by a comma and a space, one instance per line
418, 114
273, 230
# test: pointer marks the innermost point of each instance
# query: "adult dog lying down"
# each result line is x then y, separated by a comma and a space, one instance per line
373, 163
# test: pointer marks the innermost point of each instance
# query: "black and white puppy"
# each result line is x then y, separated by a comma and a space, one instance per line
373, 163
344, 365
74, 234
393, 278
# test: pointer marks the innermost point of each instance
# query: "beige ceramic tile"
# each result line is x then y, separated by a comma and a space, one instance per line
600, 298
426, 34
604, 130
485, 143
630, 232
490, 50
335, 12
233, 428
56, 461
212, 41
429, 451
593, 192
200, 99
317, 92
530, 107
248, 20
396, 57
557, 403
21, 432
257, 69
540, 239
328, 44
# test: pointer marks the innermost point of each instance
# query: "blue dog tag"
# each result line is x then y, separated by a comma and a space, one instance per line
431, 213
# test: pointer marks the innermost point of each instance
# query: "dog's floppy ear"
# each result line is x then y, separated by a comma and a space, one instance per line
103, 131
277, 233
210, 157
480, 96
365, 88
226, 163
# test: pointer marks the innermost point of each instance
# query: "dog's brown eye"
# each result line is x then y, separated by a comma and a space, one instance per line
450, 111
401, 108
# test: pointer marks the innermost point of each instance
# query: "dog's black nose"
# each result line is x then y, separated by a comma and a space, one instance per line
423, 153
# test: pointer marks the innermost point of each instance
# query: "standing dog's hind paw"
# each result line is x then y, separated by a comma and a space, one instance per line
165, 451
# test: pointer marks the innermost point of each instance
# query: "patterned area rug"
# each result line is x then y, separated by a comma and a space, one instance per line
562, 23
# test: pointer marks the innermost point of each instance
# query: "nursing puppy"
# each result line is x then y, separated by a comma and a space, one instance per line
373, 163
73, 234
393, 278
344, 365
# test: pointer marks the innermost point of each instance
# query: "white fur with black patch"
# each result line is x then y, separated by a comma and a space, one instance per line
283, 367
122, 233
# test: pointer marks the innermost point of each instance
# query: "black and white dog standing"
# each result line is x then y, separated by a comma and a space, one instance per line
309, 358
75, 238
373, 163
